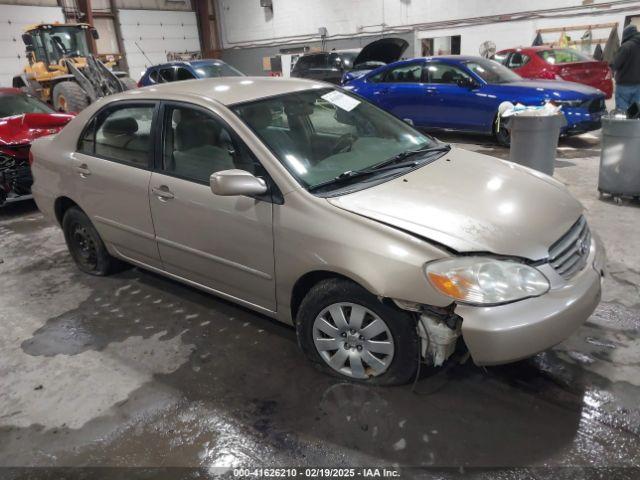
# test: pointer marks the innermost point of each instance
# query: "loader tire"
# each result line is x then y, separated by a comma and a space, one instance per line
69, 97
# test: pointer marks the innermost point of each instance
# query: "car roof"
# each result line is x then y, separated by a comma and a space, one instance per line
455, 58
538, 48
193, 63
226, 90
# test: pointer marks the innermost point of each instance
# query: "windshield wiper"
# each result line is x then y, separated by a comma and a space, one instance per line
396, 159
392, 163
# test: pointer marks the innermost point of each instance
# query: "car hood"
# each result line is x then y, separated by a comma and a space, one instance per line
471, 202
549, 87
385, 50
23, 129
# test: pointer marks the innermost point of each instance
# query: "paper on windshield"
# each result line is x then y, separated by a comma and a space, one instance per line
340, 100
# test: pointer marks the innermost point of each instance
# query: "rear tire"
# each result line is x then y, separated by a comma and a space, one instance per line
364, 360
69, 97
85, 245
128, 82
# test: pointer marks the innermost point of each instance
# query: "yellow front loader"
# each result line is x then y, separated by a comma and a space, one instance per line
62, 70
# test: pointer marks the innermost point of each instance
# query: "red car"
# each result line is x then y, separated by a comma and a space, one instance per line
558, 64
23, 118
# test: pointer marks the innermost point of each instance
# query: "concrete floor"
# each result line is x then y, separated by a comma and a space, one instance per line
137, 370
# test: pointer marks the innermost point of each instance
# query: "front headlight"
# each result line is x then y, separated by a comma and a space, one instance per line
485, 281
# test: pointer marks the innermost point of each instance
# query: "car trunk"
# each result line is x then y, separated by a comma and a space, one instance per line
589, 73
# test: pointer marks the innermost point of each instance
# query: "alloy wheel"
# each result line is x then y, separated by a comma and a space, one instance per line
353, 340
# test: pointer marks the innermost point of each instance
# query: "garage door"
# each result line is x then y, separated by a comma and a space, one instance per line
156, 33
14, 20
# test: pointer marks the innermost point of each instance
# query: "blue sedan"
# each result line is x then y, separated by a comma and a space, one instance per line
176, 71
463, 93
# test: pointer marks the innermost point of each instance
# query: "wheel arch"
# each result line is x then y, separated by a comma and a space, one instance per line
61, 205
310, 279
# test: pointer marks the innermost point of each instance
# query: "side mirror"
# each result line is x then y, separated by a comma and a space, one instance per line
27, 39
95, 34
230, 183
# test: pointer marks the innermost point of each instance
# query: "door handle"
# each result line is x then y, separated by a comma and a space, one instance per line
163, 193
83, 170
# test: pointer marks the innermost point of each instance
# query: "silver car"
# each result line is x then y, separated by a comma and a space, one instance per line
381, 245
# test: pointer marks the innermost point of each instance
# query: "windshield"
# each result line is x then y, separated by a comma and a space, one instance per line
65, 42
563, 55
492, 72
18, 104
218, 69
322, 133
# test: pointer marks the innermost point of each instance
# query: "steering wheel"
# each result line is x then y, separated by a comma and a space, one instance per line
344, 143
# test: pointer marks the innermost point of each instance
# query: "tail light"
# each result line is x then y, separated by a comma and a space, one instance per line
139, 84
608, 75
31, 158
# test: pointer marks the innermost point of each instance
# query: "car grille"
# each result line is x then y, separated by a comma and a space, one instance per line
569, 254
15, 176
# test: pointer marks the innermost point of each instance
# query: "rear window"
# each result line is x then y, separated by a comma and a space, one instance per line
312, 61
563, 55
218, 69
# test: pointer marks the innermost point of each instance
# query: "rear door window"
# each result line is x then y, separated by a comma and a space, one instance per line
442, 73
183, 74
166, 75
405, 74
123, 134
312, 61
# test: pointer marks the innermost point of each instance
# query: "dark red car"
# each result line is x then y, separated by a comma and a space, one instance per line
23, 118
554, 63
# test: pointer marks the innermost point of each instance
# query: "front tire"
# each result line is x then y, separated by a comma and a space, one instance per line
347, 332
502, 135
69, 97
85, 245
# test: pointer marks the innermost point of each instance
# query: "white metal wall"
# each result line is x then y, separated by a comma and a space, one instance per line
13, 20
156, 33
243, 23
521, 33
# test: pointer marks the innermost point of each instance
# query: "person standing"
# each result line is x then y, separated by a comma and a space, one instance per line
626, 66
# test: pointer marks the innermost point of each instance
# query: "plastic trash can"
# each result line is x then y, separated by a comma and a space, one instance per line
534, 140
620, 158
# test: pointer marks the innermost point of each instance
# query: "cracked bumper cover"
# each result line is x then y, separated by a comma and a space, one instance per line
507, 333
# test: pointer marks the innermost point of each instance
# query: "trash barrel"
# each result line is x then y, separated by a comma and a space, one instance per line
534, 140
620, 157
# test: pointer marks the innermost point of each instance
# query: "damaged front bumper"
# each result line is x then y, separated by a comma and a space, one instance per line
511, 332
